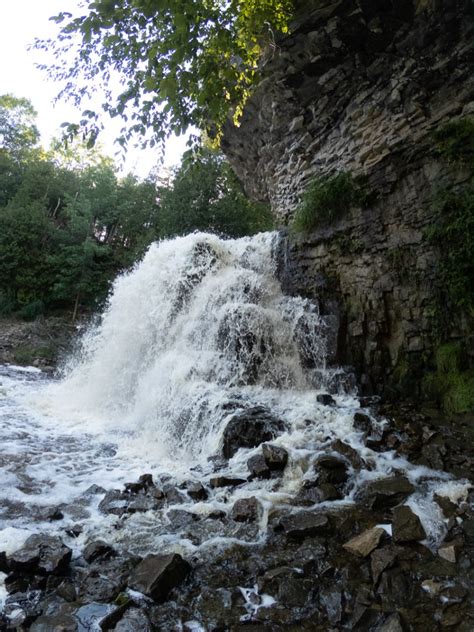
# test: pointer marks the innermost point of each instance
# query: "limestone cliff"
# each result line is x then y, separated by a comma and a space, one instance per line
360, 86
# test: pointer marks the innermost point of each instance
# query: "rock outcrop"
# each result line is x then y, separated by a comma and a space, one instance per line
360, 86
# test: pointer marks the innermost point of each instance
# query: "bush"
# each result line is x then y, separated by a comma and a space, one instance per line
7, 305
455, 142
32, 310
326, 199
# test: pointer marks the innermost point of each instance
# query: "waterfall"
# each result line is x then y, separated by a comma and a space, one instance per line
198, 328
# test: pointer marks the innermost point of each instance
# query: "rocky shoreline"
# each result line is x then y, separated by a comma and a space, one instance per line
320, 565
41, 343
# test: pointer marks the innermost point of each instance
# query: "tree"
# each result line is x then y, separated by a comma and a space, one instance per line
206, 195
179, 62
18, 131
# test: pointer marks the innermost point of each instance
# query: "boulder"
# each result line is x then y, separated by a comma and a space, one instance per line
43, 554
245, 510
317, 494
304, 524
380, 560
249, 429
258, 467
133, 620
349, 453
331, 469
362, 422
385, 492
196, 491
326, 399
275, 457
363, 544
97, 550
156, 575
225, 481
406, 525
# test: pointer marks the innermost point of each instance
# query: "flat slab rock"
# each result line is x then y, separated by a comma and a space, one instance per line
304, 524
156, 575
363, 544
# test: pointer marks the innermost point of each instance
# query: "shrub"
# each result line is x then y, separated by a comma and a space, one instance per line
31, 310
455, 142
326, 199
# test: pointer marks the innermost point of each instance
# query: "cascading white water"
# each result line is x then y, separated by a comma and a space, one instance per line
200, 323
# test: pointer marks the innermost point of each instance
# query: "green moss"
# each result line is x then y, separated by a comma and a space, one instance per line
450, 386
449, 357
454, 142
326, 199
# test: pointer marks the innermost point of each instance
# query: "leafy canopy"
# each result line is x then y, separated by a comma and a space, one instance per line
166, 64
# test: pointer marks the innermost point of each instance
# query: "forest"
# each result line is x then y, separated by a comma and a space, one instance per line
69, 223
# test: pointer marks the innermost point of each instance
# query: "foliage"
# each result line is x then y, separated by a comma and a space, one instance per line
205, 195
455, 142
326, 199
179, 63
450, 385
18, 132
68, 227
452, 232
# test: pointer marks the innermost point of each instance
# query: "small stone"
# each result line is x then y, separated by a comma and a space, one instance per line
245, 510
326, 400
366, 542
156, 575
275, 457
258, 467
406, 525
448, 552
304, 524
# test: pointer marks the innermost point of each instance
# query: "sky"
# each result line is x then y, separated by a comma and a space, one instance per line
21, 21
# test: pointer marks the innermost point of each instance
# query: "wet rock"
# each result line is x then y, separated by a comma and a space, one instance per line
391, 624
42, 554
97, 550
196, 491
270, 580
144, 484
363, 544
326, 400
180, 518
294, 591
142, 503
172, 495
380, 560
114, 502
304, 524
275, 457
245, 510
258, 467
4, 567
349, 453
447, 506
319, 494
94, 490
362, 422
331, 469
249, 429
55, 623
75, 530
134, 620
406, 525
156, 575
385, 492
225, 481
331, 600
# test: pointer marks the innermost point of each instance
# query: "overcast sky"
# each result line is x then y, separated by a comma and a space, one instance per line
20, 22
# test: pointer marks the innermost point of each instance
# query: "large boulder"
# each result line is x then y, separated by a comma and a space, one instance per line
43, 554
385, 492
156, 575
250, 428
406, 525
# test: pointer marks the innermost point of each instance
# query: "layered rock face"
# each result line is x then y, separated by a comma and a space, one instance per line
360, 86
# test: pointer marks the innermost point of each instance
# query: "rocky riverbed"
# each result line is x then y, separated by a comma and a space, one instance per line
229, 559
